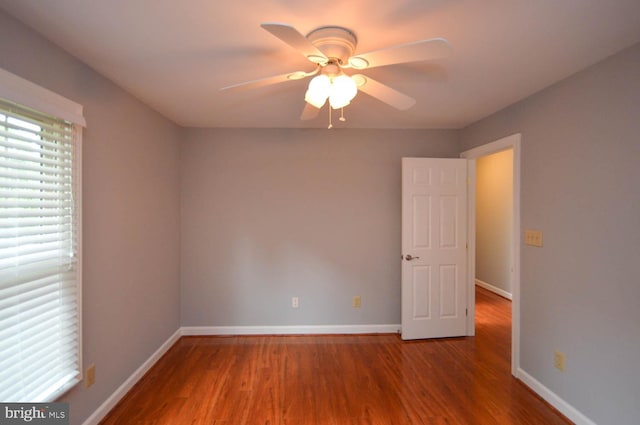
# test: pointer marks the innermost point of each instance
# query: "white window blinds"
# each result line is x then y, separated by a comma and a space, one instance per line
40, 326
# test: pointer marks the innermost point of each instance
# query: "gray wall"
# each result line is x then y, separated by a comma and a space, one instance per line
271, 214
581, 291
131, 214
494, 219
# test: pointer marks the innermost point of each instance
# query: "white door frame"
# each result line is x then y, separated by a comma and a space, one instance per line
509, 142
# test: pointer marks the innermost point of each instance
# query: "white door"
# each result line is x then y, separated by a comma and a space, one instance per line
434, 247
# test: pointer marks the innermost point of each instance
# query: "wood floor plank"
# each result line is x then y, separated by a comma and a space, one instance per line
340, 380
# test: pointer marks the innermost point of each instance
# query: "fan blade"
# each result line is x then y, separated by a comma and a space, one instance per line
411, 52
293, 38
309, 112
384, 93
254, 84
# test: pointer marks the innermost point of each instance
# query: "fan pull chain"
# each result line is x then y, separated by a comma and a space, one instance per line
342, 118
330, 124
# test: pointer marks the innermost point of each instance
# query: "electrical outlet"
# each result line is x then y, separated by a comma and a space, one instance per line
357, 302
295, 302
90, 376
559, 360
533, 237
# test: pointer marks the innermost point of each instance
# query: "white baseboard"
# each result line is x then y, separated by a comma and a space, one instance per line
289, 330
110, 403
553, 399
494, 289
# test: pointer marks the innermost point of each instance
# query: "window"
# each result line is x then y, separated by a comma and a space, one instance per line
40, 247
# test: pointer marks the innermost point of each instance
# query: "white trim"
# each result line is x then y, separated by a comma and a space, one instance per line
77, 176
26, 93
471, 246
123, 389
509, 142
552, 398
494, 289
290, 330
499, 145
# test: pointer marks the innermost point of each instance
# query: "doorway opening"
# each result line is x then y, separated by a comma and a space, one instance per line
509, 275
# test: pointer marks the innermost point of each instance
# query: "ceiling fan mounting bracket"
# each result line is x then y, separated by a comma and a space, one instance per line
335, 42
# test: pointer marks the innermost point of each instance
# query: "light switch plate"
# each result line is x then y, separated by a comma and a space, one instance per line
357, 302
533, 237
559, 360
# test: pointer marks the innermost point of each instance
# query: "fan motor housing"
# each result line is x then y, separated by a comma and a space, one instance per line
335, 42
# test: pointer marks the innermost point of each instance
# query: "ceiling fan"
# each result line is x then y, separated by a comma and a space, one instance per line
331, 49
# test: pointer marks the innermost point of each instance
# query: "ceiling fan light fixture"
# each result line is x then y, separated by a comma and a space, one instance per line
343, 90
337, 102
332, 49
318, 91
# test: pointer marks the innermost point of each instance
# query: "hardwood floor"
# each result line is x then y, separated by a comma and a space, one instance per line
340, 380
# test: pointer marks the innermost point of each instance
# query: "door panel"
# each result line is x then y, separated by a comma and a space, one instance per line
421, 291
421, 208
434, 221
448, 224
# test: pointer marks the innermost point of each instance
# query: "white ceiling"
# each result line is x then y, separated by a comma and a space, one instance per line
175, 55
